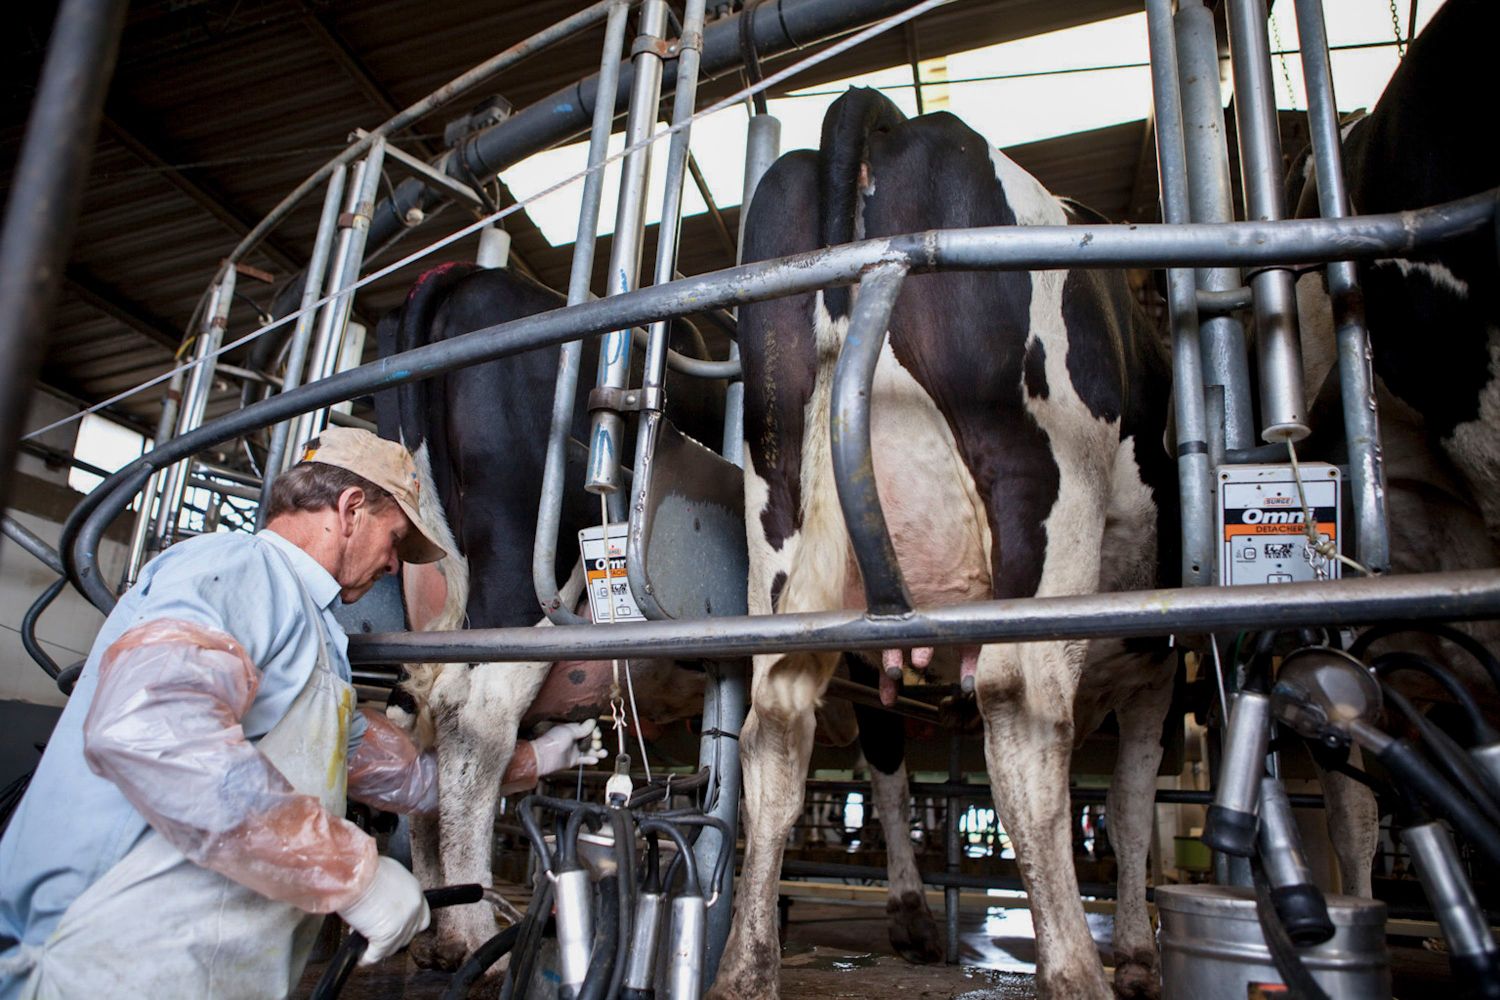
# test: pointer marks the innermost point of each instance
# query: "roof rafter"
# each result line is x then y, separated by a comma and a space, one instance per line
111, 302
125, 128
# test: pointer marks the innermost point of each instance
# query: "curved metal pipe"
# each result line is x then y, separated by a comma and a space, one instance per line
990, 248
849, 427
566, 113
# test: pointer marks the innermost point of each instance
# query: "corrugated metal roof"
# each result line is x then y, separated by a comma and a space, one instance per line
218, 108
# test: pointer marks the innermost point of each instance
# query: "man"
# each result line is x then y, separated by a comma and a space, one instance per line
183, 834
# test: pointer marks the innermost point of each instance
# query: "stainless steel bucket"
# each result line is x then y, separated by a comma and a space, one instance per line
1212, 947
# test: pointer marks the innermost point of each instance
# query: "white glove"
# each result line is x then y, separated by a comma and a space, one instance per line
558, 748
390, 913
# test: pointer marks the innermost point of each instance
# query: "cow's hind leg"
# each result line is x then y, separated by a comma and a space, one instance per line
775, 747
1131, 806
1026, 699
476, 738
1353, 826
882, 738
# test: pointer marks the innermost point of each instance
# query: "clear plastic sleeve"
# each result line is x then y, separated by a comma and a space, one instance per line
164, 726
389, 772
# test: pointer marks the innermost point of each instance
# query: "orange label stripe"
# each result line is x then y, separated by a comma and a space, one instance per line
1233, 530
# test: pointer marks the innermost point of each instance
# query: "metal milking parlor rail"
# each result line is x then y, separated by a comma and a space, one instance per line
1199, 244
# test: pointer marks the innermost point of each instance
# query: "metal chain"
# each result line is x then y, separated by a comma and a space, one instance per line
1286, 73
1396, 28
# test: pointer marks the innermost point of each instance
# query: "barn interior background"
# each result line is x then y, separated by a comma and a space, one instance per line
219, 107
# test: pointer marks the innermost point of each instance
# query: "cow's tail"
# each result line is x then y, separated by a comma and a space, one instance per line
843, 171
414, 330
418, 409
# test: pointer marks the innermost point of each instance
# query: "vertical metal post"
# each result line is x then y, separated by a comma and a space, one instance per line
725, 705
194, 402
1195, 484
1356, 379
549, 512
296, 361
1283, 406
762, 147
606, 431
952, 849
690, 51
42, 207
140, 534
347, 261
1210, 199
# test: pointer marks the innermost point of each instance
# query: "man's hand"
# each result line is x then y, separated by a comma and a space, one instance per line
558, 748
390, 913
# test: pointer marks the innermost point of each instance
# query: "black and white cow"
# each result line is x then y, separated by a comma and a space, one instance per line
1434, 324
1434, 318
480, 437
1017, 426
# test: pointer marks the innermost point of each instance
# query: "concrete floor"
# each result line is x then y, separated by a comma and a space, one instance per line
840, 952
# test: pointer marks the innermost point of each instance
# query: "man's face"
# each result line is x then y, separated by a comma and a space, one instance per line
370, 551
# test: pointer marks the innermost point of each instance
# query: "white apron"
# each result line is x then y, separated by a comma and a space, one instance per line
157, 925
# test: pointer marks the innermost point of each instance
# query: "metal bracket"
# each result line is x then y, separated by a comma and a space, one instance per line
434, 175
659, 47
626, 400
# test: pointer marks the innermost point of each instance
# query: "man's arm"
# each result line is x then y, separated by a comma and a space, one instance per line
164, 726
388, 772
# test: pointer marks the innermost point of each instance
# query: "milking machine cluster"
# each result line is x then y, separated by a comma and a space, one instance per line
1332, 699
619, 907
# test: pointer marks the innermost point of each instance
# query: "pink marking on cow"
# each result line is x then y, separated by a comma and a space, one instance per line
425, 590
921, 657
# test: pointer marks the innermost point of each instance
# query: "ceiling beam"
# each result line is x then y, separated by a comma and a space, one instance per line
354, 68
123, 126
112, 303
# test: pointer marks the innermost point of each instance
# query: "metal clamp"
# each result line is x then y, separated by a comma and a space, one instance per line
626, 400
659, 47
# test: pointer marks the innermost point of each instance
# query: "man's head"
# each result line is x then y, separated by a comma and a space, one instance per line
351, 503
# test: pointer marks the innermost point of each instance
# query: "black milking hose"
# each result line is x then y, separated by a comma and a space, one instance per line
479, 963
1407, 767
538, 913
331, 983
1479, 727
1299, 981
623, 824
1449, 755
1462, 640
606, 940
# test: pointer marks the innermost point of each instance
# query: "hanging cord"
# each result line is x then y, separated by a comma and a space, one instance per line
1327, 548
617, 705
750, 56
836, 49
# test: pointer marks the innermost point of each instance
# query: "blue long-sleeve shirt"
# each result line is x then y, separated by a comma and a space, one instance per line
72, 825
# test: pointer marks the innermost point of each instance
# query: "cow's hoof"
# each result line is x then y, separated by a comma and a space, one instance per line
914, 933
433, 951
1137, 976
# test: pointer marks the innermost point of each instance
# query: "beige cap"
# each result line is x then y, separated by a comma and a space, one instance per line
389, 466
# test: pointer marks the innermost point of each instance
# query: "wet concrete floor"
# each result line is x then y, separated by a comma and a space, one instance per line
836, 951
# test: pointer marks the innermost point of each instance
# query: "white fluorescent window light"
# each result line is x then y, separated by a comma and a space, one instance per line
1059, 83
106, 445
